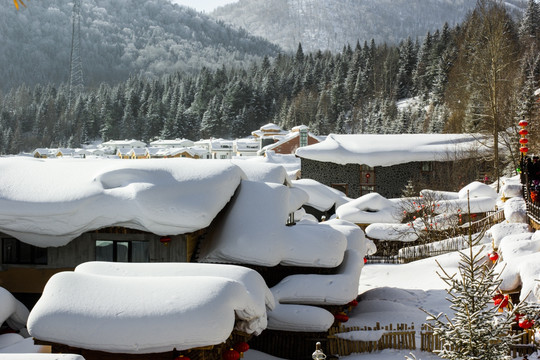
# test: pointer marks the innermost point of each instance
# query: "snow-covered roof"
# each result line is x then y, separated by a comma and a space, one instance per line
386, 150
321, 197
290, 162
172, 305
371, 208
162, 196
265, 207
269, 129
172, 143
124, 143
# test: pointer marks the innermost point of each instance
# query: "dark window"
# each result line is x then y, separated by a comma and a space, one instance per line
427, 166
17, 252
122, 251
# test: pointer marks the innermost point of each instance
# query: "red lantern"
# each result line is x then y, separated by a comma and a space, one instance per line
241, 347
523, 141
523, 132
341, 317
365, 260
523, 123
182, 357
353, 302
500, 300
165, 240
231, 354
525, 323
523, 149
493, 256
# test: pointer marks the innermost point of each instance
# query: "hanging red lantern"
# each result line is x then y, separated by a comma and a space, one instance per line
365, 260
500, 300
523, 141
525, 323
523, 149
165, 240
341, 317
231, 354
523, 123
493, 256
523, 132
353, 302
241, 347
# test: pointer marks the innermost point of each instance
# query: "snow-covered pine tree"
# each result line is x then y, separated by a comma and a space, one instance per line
478, 330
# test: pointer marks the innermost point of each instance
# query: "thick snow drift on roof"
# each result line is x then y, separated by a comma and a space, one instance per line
100, 312
50, 202
289, 161
387, 150
263, 172
255, 232
369, 209
261, 296
392, 232
12, 311
337, 289
321, 197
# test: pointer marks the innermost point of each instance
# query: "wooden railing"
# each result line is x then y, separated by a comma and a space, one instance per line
344, 341
525, 344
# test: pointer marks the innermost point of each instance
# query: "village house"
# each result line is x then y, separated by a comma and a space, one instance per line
96, 212
298, 136
363, 163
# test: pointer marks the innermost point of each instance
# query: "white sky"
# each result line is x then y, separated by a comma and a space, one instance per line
203, 5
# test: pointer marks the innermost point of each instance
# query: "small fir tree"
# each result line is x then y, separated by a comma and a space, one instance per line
478, 330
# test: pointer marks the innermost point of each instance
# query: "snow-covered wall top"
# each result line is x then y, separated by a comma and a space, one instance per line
387, 150
49, 202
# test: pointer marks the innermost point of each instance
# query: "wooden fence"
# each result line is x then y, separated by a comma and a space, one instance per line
342, 342
525, 344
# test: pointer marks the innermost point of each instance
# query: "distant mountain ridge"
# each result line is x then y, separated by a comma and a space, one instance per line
118, 38
330, 24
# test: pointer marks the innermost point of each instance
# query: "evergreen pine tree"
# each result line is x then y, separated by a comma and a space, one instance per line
478, 330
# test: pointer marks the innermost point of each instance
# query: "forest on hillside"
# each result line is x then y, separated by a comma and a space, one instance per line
118, 38
477, 76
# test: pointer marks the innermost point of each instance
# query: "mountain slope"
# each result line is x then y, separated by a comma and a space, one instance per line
118, 38
330, 24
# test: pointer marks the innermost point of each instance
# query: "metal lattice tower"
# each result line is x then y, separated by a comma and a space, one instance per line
76, 84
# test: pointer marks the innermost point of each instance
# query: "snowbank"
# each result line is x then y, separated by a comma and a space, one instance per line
515, 210
498, 231
369, 209
48, 202
392, 232
99, 312
397, 149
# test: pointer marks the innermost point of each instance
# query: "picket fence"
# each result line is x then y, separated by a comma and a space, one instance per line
402, 336
342, 342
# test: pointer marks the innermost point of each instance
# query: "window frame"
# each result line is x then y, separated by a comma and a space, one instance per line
34, 253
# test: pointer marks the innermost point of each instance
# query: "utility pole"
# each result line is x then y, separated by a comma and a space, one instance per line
76, 84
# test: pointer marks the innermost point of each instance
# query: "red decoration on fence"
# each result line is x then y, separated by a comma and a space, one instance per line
500, 300
341, 317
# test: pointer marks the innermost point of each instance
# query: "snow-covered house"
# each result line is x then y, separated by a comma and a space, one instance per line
175, 210
363, 163
43, 153
298, 136
112, 146
246, 147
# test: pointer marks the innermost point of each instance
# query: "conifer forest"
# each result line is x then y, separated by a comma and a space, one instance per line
477, 76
